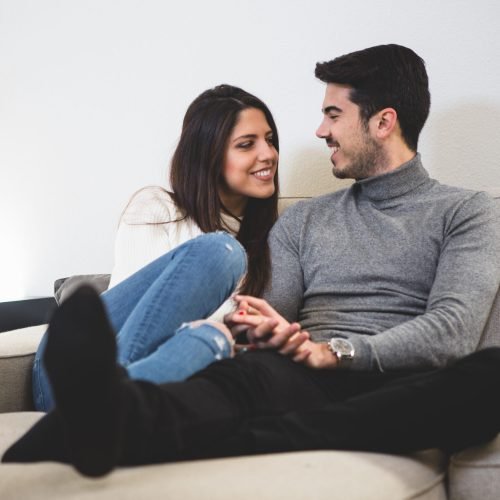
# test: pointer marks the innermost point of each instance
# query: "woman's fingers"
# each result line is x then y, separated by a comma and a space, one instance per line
259, 304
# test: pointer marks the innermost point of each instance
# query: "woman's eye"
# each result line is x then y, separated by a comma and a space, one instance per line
245, 145
270, 141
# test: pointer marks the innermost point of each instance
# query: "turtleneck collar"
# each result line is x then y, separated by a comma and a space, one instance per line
405, 178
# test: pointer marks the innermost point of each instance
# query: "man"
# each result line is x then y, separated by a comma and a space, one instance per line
392, 281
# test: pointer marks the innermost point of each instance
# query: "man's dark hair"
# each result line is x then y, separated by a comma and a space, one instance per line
385, 76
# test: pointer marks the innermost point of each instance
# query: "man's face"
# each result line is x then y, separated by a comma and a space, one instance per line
355, 153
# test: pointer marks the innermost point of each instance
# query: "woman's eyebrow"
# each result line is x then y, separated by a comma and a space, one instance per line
245, 136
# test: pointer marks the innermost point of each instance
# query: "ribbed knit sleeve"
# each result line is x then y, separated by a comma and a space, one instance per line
466, 280
152, 225
149, 227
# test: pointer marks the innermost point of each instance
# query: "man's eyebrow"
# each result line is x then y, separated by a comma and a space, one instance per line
329, 109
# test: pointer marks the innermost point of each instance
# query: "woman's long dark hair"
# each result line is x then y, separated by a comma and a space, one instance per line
197, 172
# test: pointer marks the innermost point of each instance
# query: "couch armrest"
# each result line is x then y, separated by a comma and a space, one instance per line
22, 313
17, 352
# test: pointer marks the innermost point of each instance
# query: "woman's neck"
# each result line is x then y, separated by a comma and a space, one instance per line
235, 204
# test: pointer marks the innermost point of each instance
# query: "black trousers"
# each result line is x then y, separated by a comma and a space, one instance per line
261, 402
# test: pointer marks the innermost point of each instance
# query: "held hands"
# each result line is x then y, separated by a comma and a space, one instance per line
267, 329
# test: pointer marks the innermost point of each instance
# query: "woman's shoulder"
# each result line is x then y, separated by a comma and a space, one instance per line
151, 205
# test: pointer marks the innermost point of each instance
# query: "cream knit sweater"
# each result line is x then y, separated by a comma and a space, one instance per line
152, 225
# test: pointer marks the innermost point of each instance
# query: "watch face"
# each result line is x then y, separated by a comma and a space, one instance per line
343, 348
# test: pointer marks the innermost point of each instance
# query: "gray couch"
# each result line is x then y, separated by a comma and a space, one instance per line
471, 474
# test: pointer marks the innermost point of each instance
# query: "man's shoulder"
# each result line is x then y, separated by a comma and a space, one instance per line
314, 203
459, 198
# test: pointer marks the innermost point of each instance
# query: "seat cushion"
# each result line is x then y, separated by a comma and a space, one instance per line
17, 351
475, 472
317, 474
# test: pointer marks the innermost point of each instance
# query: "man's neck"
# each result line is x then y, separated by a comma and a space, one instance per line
399, 157
393, 159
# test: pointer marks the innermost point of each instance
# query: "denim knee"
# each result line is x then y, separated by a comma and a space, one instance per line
209, 335
224, 246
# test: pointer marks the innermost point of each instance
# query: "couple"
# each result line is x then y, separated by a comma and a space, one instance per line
391, 280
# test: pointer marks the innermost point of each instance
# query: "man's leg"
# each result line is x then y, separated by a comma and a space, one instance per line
107, 419
450, 409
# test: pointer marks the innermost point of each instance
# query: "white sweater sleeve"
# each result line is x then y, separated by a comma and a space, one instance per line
145, 232
150, 226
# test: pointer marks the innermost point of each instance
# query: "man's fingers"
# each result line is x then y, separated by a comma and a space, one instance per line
301, 356
280, 337
291, 347
264, 330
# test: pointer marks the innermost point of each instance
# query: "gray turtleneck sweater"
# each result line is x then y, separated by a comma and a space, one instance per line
401, 265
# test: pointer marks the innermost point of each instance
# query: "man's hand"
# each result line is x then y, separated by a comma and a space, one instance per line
315, 355
267, 329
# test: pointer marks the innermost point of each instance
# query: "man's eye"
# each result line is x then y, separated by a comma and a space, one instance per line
333, 117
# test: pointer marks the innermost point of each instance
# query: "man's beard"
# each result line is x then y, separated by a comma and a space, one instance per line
369, 160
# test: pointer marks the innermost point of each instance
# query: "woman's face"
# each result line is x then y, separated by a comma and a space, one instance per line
250, 163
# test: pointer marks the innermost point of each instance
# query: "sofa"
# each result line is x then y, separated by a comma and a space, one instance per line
471, 474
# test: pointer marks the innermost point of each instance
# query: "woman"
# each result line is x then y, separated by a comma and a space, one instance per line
168, 272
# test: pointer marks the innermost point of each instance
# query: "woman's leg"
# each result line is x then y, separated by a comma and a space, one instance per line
188, 283
195, 279
191, 349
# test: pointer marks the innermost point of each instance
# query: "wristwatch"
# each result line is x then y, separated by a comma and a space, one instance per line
343, 350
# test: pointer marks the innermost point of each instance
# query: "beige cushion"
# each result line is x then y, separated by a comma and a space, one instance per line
475, 473
17, 351
316, 475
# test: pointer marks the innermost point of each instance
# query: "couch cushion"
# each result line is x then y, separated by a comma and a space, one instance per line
319, 474
475, 473
64, 287
17, 351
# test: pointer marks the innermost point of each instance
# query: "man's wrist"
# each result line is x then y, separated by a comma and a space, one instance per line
342, 350
331, 360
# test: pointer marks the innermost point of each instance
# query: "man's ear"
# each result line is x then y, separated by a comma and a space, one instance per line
386, 121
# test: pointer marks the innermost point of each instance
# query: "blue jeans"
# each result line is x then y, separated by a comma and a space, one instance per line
151, 311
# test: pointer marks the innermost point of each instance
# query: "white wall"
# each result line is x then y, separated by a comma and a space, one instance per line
92, 94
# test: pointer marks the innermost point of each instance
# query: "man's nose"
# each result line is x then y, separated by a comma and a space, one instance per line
322, 130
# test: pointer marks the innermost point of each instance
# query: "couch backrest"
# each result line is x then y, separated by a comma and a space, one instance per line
491, 333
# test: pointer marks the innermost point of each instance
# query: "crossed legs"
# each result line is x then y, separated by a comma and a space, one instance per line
256, 403
147, 311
